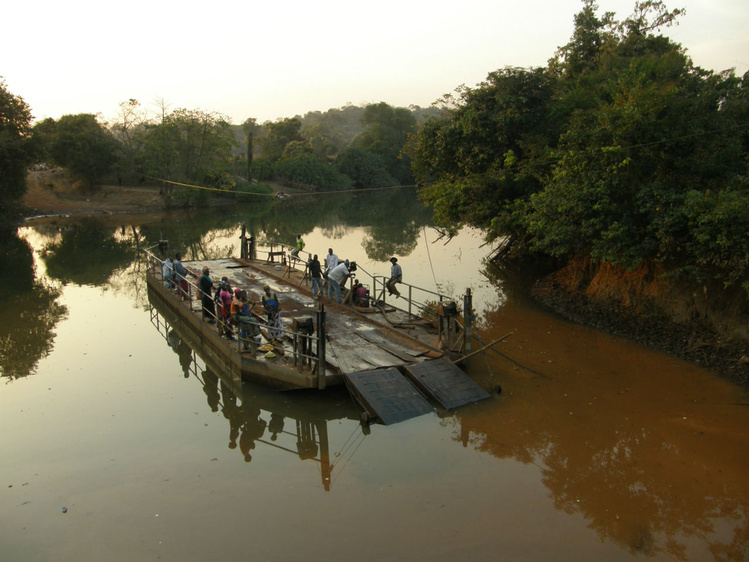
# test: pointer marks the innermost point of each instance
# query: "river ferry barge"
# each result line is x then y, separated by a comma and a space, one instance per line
387, 349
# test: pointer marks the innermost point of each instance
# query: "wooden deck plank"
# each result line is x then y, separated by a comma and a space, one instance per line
444, 382
404, 353
387, 395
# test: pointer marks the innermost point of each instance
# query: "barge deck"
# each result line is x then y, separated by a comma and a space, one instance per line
346, 339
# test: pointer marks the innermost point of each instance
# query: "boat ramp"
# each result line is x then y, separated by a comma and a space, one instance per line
395, 363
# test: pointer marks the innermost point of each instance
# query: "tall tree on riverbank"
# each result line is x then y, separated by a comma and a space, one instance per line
80, 144
15, 156
621, 150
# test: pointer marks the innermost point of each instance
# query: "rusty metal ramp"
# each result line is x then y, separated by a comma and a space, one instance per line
444, 382
386, 394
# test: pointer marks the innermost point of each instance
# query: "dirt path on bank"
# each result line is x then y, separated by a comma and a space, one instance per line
50, 192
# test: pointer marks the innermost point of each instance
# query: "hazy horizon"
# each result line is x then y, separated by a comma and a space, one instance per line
274, 61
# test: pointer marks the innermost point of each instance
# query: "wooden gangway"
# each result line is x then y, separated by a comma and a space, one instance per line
393, 395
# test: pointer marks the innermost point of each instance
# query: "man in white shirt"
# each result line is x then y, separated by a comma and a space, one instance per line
336, 278
331, 261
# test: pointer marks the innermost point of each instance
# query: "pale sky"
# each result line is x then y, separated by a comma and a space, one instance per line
275, 59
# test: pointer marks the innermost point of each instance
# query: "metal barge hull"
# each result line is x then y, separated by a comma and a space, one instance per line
240, 366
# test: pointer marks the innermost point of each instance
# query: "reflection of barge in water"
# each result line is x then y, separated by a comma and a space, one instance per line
260, 418
371, 350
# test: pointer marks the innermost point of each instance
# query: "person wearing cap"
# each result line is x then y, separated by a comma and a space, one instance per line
396, 276
336, 278
205, 285
299, 246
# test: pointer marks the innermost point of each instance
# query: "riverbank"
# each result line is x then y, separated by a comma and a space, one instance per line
50, 192
654, 314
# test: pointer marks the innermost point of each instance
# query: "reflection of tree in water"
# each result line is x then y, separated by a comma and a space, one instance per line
385, 241
295, 215
395, 219
29, 311
87, 253
633, 488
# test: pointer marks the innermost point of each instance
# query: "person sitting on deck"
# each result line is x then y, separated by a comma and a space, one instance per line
299, 246
396, 276
271, 305
205, 284
361, 294
249, 331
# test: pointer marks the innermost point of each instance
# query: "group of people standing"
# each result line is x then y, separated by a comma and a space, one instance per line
229, 309
337, 272
233, 308
175, 275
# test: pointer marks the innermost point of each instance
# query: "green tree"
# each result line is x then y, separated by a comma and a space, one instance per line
387, 130
128, 130
15, 155
479, 162
306, 171
365, 168
278, 135
324, 141
80, 144
621, 150
249, 127
190, 146
656, 134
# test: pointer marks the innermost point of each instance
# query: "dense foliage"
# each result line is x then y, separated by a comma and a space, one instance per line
15, 128
79, 143
620, 149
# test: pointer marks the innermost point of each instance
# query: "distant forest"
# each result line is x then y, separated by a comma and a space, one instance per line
620, 151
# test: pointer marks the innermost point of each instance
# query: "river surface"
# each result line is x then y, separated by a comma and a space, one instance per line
120, 444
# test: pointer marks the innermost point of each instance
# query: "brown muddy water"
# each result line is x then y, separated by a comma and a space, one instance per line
119, 444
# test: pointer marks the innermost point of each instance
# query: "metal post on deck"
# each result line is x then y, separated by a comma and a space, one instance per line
243, 243
321, 346
467, 320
